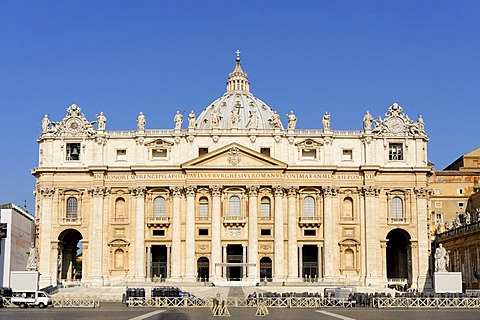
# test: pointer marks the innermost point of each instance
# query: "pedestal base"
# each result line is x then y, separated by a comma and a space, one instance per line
448, 282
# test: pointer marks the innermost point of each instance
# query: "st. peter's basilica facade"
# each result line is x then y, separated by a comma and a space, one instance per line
234, 195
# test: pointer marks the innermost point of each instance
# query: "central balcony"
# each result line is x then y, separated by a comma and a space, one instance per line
238, 221
314, 221
158, 221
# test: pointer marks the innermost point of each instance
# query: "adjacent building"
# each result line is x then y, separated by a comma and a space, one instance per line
17, 234
234, 194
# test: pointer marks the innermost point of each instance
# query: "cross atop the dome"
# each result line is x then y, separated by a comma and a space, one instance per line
238, 53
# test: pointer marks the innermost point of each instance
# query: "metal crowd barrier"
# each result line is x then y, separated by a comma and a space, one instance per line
168, 302
76, 302
465, 302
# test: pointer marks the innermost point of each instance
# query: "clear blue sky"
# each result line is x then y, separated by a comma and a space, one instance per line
345, 57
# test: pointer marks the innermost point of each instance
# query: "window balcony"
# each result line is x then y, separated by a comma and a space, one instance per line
203, 219
71, 221
314, 221
402, 220
234, 221
158, 221
265, 219
119, 220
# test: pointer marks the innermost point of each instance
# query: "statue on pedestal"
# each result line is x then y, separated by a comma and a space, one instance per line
178, 119
253, 120
191, 120
45, 124
141, 120
275, 120
441, 258
32, 260
292, 121
101, 121
367, 121
326, 121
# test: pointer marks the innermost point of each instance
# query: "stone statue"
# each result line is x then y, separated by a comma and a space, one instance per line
235, 118
468, 218
456, 221
253, 120
292, 121
275, 120
45, 124
421, 124
440, 259
447, 225
101, 121
215, 119
178, 119
32, 260
326, 121
367, 121
141, 120
191, 120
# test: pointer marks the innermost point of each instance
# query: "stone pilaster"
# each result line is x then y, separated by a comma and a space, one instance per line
45, 251
328, 232
190, 234
252, 231
279, 274
292, 234
216, 192
372, 242
96, 235
424, 280
138, 193
176, 254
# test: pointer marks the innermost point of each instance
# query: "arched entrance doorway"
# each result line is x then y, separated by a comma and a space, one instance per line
203, 269
69, 255
399, 258
266, 268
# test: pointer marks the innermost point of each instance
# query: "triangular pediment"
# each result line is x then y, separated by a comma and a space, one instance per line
234, 156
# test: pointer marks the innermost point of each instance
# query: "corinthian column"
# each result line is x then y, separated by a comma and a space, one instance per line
328, 232
424, 281
216, 229
175, 270
96, 235
139, 194
252, 231
279, 237
190, 234
292, 235
45, 250
372, 242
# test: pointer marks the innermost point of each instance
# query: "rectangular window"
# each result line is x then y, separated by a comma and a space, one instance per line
309, 233
265, 210
309, 154
438, 204
202, 151
159, 154
158, 233
203, 232
203, 210
265, 151
438, 218
265, 232
73, 151
347, 155
121, 155
437, 191
460, 191
461, 205
395, 152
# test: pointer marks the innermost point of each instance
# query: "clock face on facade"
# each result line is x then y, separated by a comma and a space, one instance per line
395, 125
73, 125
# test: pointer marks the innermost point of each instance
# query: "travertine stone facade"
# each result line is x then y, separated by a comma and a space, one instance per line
233, 196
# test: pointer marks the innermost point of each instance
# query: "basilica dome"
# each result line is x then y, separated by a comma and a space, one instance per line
238, 108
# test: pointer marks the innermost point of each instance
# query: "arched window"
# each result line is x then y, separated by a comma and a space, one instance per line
159, 207
72, 208
119, 258
309, 207
203, 211
120, 208
234, 206
347, 209
266, 208
397, 207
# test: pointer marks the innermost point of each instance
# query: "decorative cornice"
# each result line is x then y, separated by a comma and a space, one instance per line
46, 192
292, 191
370, 191
278, 191
190, 191
138, 191
422, 192
176, 191
99, 191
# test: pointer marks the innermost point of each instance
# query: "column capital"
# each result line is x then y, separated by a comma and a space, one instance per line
46, 192
137, 191
99, 191
278, 191
422, 192
252, 190
292, 191
216, 190
369, 191
190, 191
329, 191
176, 191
